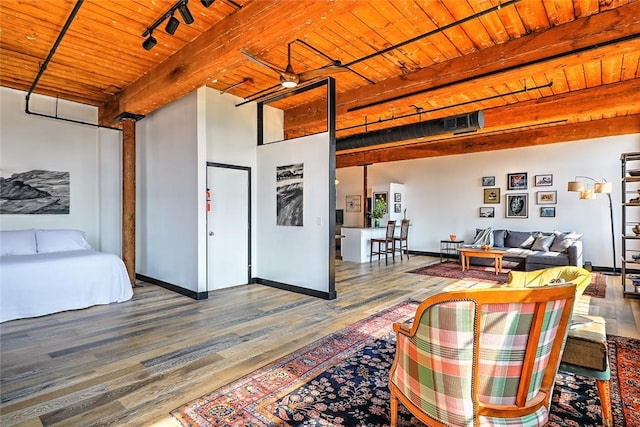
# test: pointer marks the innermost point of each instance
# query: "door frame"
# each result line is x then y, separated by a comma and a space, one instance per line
249, 231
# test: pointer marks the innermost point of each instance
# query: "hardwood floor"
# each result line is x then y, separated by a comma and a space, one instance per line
132, 363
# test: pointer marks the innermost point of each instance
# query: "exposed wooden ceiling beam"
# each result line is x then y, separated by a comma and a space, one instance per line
217, 48
501, 141
489, 66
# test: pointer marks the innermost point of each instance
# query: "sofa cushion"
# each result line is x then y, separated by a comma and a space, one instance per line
518, 252
484, 237
563, 240
498, 237
519, 239
543, 242
550, 259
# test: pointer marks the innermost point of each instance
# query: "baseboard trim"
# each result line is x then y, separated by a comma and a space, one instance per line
180, 290
294, 288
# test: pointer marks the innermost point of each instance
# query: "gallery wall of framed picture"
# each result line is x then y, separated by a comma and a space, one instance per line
517, 201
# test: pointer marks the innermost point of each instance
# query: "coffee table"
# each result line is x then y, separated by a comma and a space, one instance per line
466, 253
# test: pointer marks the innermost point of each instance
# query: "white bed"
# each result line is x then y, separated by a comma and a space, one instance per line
61, 272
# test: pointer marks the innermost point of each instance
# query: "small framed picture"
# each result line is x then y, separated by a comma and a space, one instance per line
517, 205
488, 181
546, 197
544, 180
547, 211
491, 195
487, 212
397, 197
517, 181
354, 203
397, 207
381, 196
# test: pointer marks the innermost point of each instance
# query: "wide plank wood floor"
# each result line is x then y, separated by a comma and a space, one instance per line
134, 362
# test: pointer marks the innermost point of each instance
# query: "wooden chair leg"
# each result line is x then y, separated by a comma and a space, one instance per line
605, 402
394, 410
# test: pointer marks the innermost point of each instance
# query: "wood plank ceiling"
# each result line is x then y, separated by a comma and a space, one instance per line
542, 71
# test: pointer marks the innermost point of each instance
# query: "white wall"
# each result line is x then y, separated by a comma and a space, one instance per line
90, 154
170, 174
443, 194
295, 255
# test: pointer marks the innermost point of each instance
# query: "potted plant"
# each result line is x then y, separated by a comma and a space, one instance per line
379, 208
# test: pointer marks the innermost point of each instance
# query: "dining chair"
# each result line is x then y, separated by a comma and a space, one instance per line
401, 243
385, 245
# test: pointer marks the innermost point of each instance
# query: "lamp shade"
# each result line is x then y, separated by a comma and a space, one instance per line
587, 194
602, 187
575, 186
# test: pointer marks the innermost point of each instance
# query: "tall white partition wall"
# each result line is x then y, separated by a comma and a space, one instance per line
295, 256
296, 245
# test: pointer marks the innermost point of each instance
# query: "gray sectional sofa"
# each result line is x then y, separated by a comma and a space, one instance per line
531, 250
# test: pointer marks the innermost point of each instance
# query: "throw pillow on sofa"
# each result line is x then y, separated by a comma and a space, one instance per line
484, 237
563, 240
543, 242
519, 239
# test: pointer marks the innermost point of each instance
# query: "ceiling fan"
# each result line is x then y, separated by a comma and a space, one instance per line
288, 77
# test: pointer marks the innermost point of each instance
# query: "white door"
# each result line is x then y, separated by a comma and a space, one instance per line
228, 227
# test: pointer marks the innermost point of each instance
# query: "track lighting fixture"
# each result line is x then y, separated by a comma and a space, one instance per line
172, 22
172, 25
150, 42
187, 17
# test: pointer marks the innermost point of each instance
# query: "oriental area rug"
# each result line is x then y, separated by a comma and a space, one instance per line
341, 380
452, 270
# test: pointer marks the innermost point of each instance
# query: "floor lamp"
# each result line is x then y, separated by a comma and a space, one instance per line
588, 192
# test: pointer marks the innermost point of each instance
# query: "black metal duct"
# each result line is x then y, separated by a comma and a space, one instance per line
463, 123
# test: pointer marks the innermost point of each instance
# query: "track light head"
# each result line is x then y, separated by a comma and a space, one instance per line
207, 3
150, 42
172, 25
187, 17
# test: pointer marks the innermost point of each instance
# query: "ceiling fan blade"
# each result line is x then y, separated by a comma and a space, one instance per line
259, 61
321, 72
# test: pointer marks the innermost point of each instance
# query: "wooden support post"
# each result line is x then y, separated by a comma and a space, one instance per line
129, 197
129, 191
364, 192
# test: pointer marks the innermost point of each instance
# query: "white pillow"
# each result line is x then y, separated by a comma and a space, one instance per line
60, 240
18, 242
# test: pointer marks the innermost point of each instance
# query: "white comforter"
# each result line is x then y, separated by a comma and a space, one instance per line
45, 283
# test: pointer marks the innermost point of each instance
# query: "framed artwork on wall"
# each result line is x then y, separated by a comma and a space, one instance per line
488, 181
548, 212
487, 212
397, 197
546, 197
544, 180
381, 196
354, 203
491, 195
517, 181
397, 208
517, 205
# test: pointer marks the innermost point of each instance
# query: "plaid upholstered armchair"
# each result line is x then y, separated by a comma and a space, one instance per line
481, 357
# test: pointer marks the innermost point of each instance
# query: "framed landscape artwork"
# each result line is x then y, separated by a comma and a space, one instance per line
544, 180
517, 181
487, 212
546, 197
491, 195
517, 205
488, 181
548, 212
